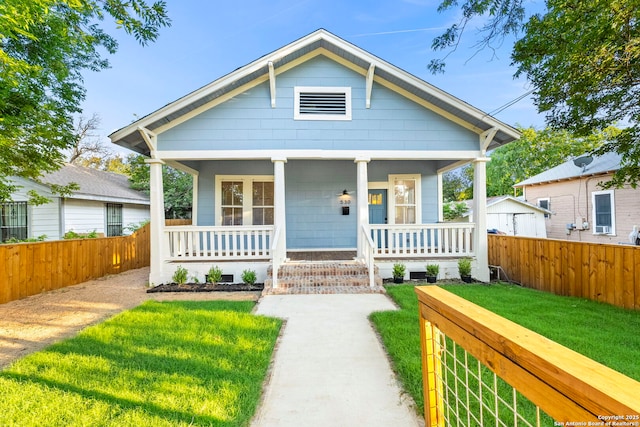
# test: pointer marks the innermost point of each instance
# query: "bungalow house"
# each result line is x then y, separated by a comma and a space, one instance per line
581, 210
316, 150
512, 216
104, 204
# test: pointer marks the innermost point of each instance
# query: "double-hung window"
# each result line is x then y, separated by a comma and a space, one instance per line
13, 221
406, 191
244, 200
545, 204
603, 212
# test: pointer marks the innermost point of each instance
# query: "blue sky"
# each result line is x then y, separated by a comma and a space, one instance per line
208, 39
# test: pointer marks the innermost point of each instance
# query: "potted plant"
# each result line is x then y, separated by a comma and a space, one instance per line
432, 273
398, 272
214, 275
464, 268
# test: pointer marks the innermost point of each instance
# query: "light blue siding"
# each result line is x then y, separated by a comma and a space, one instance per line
248, 122
313, 201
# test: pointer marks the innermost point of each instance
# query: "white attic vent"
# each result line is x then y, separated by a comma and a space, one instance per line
322, 103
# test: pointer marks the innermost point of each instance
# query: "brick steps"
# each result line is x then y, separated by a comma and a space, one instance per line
328, 277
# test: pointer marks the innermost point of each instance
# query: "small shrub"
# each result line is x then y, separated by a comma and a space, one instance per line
214, 275
73, 235
399, 270
433, 270
40, 238
464, 266
249, 277
180, 275
133, 227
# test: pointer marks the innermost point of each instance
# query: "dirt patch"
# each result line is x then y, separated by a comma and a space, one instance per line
207, 287
30, 324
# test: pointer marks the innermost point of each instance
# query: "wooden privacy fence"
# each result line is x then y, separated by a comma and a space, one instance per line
30, 268
600, 272
481, 369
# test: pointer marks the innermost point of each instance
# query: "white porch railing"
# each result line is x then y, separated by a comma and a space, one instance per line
416, 240
368, 254
194, 243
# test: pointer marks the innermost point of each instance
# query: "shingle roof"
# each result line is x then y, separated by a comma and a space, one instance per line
95, 184
609, 162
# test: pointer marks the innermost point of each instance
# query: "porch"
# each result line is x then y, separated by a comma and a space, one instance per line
263, 249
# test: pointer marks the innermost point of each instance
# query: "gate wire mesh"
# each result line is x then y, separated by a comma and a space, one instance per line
472, 395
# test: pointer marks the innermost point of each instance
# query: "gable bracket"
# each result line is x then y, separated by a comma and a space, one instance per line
150, 139
272, 84
486, 138
370, 73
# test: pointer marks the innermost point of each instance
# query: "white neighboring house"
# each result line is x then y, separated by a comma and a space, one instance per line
512, 216
104, 203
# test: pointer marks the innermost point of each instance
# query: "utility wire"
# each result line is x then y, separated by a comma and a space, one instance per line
510, 103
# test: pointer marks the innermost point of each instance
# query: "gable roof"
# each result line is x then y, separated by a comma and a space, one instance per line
288, 56
96, 185
607, 163
499, 199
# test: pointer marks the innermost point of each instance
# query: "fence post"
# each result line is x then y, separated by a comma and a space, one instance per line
432, 386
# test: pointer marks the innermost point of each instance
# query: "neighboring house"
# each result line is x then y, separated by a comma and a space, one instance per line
581, 209
512, 216
318, 146
104, 203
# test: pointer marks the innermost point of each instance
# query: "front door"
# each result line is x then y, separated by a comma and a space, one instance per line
377, 206
378, 213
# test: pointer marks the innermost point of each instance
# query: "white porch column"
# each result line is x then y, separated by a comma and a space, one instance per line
157, 221
480, 243
362, 191
279, 209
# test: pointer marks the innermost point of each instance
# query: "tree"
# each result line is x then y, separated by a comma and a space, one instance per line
536, 152
86, 144
178, 186
458, 184
582, 58
45, 45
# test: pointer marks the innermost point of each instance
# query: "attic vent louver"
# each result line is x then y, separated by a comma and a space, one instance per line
322, 103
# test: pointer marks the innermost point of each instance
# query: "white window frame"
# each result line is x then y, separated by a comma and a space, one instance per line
321, 89
611, 194
247, 200
548, 200
391, 199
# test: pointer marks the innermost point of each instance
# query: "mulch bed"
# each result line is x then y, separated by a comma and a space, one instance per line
207, 287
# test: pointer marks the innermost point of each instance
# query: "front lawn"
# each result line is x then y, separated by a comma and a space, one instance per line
607, 334
160, 364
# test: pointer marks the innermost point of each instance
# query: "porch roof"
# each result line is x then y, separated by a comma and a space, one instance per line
446, 103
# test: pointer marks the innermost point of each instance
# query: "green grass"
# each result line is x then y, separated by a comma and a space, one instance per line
607, 334
160, 364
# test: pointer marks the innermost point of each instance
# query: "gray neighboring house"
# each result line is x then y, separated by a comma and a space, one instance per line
581, 209
104, 203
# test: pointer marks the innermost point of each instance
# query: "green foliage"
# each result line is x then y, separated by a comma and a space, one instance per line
433, 269
454, 210
536, 152
249, 277
73, 235
214, 275
178, 186
204, 365
582, 59
40, 238
458, 184
133, 227
464, 266
399, 270
45, 45
180, 276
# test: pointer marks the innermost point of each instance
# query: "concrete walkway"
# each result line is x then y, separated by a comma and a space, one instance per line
330, 368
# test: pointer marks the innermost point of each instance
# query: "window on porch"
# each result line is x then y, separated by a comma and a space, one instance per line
245, 200
406, 199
